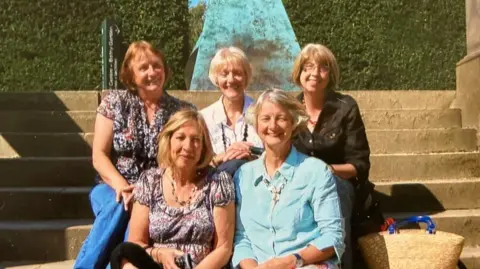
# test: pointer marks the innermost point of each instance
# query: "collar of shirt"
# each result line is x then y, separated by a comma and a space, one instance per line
221, 117
286, 170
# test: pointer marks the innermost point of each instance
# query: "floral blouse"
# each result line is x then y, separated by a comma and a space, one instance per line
191, 228
134, 140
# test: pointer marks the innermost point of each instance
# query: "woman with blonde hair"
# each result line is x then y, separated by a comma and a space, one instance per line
232, 137
183, 208
288, 212
336, 133
124, 145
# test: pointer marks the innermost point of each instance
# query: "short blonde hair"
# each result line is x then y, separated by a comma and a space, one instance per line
134, 50
175, 122
285, 100
321, 55
233, 56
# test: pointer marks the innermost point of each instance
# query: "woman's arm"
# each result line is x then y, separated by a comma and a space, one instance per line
357, 150
326, 210
102, 145
224, 220
344, 171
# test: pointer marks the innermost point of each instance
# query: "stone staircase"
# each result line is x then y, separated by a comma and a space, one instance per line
423, 161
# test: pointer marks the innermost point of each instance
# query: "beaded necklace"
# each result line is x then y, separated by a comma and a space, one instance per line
224, 137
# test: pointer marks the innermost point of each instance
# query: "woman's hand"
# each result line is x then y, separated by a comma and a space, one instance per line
124, 192
287, 262
166, 256
127, 265
237, 150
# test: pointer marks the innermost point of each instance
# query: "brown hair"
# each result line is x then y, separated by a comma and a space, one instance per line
175, 122
134, 50
320, 55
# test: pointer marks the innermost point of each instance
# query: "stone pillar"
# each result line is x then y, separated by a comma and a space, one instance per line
468, 70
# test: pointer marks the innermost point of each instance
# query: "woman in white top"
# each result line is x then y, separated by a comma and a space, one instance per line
232, 138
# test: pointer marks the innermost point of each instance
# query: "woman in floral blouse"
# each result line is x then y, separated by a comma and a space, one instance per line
125, 144
181, 207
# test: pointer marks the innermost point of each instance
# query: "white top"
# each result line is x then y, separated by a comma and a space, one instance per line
216, 117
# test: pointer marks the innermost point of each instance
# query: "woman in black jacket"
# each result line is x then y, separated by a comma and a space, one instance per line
336, 133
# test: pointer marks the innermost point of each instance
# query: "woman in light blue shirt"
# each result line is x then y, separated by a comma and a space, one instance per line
288, 210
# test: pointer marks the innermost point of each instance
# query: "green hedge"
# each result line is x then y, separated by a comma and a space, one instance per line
380, 44
55, 45
386, 44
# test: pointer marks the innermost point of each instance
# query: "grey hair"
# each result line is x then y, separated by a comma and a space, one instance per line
283, 99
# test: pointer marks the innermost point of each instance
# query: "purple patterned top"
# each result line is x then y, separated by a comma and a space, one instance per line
134, 140
189, 229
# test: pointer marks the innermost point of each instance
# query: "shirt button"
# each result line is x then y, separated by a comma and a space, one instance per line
310, 141
311, 153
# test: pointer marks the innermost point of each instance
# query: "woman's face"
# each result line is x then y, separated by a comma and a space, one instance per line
274, 125
186, 145
232, 81
148, 72
314, 76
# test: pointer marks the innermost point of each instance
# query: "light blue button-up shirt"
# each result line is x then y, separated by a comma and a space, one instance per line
307, 212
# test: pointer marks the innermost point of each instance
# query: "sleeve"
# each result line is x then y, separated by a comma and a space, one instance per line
107, 106
223, 191
357, 150
327, 214
143, 190
242, 247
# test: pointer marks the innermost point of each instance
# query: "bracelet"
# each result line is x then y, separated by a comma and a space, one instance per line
151, 252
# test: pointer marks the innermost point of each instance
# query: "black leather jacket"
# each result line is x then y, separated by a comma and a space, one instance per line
339, 136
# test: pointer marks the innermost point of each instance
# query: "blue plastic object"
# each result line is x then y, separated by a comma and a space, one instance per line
431, 227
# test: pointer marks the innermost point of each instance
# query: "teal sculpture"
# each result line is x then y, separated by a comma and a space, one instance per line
261, 28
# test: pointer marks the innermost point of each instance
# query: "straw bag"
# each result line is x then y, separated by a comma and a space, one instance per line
407, 249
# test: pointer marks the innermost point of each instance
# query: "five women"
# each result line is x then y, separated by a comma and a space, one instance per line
289, 212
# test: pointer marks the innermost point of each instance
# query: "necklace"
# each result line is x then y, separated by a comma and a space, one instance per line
224, 137
275, 191
182, 203
310, 121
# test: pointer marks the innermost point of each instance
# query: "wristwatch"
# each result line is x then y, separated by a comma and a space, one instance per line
299, 262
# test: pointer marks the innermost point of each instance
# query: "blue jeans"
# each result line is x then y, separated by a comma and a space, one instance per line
346, 193
108, 230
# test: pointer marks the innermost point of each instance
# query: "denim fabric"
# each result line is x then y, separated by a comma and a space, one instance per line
346, 192
307, 213
108, 230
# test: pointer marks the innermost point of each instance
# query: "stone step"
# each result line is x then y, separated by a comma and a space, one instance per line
68, 264
78, 171
422, 141
373, 99
84, 121
47, 121
60, 240
412, 118
44, 203
88, 100
419, 167
381, 141
470, 257
45, 144
464, 222
46, 172
46, 241
431, 196
57, 101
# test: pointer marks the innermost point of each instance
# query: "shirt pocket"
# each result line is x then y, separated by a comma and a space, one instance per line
331, 136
